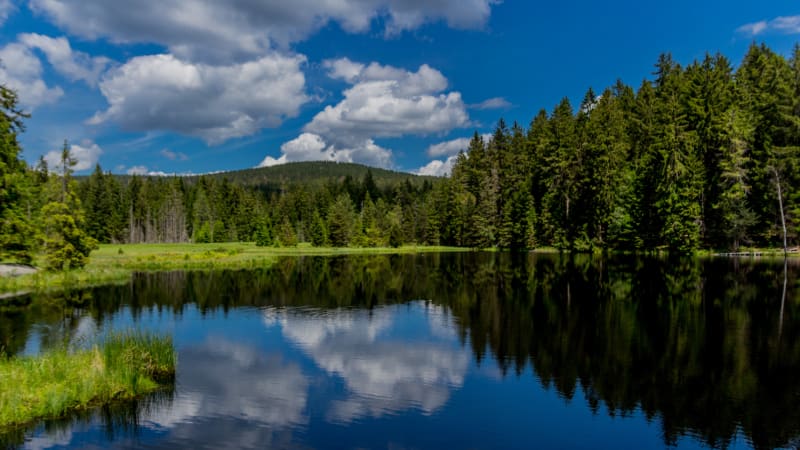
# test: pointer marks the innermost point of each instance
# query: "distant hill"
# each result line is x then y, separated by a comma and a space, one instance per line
315, 172
311, 172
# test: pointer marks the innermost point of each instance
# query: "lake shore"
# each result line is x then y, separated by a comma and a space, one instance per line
58, 382
114, 263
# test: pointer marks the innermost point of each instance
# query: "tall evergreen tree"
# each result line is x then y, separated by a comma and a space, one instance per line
66, 244
679, 187
17, 234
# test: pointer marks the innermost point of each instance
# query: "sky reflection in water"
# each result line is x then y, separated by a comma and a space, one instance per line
508, 353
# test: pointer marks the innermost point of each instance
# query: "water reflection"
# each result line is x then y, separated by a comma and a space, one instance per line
224, 379
702, 348
232, 396
382, 374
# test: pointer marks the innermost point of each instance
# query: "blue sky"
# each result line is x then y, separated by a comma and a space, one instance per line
194, 86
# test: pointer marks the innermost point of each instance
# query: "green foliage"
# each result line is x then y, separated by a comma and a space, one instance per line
202, 234
395, 228
66, 245
681, 164
341, 221
286, 234
147, 354
55, 383
18, 237
264, 234
318, 232
17, 234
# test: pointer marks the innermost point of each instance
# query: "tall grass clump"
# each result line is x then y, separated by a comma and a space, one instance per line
141, 353
55, 383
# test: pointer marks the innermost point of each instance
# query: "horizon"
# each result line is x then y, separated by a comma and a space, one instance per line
184, 88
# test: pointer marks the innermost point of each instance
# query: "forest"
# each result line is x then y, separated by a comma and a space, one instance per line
705, 156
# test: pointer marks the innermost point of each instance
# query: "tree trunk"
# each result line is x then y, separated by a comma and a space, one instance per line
780, 204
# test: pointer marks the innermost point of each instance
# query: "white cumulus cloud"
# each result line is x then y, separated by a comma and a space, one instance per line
312, 147
72, 64
383, 101
137, 170
21, 71
215, 103
436, 168
452, 147
235, 30
144, 171
86, 154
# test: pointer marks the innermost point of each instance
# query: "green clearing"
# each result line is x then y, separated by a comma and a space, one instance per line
114, 263
56, 383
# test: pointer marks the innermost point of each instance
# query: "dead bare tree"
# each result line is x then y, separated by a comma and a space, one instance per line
780, 204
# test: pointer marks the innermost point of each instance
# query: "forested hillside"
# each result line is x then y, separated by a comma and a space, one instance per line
320, 203
314, 173
702, 156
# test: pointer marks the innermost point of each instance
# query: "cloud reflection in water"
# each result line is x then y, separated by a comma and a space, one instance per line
383, 374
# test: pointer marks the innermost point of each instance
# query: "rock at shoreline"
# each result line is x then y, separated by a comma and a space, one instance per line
15, 270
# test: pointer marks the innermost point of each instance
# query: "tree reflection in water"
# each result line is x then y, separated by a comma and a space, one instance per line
708, 347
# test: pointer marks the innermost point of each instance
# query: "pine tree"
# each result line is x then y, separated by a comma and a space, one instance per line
516, 197
264, 233
286, 235
539, 142
318, 231
679, 186
607, 148
17, 234
731, 205
98, 205
764, 91
563, 163
647, 167
66, 243
709, 97
341, 221
203, 223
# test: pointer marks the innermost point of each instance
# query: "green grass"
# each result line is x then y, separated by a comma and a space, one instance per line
56, 383
114, 263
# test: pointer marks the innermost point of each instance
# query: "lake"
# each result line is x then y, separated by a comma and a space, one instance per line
455, 350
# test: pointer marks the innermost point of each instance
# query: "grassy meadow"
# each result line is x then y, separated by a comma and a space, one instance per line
114, 263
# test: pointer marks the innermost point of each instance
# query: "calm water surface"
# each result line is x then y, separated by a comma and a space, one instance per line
444, 351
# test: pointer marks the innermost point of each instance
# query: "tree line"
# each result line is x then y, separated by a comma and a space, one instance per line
702, 156
336, 212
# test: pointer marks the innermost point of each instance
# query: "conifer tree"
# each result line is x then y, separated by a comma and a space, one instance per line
17, 234
66, 243
679, 186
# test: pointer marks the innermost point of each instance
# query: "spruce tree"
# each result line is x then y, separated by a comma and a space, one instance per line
17, 234
66, 242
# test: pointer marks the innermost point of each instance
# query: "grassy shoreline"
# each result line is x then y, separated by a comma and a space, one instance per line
114, 263
59, 382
